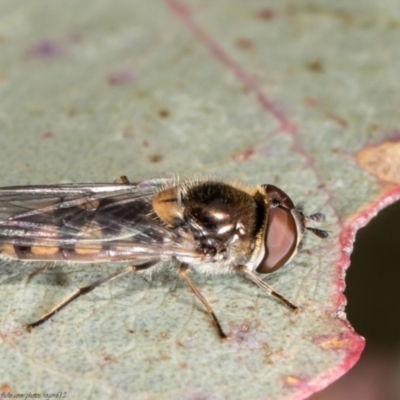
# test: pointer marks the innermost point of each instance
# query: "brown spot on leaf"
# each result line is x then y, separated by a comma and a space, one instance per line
310, 101
155, 158
383, 161
163, 113
373, 128
46, 49
128, 132
120, 77
315, 65
48, 134
72, 112
244, 43
266, 14
145, 143
76, 37
108, 358
333, 341
341, 121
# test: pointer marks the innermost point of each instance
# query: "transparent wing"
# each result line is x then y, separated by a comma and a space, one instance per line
89, 222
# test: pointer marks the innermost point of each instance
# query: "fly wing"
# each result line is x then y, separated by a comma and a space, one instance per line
21, 201
87, 223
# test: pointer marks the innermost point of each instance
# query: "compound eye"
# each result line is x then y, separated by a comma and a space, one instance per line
280, 240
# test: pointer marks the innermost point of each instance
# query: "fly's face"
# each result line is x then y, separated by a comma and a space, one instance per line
230, 224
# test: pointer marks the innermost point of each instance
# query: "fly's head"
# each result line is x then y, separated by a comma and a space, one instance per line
284, 229
235, 225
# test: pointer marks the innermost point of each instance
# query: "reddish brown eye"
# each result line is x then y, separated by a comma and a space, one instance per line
280, 240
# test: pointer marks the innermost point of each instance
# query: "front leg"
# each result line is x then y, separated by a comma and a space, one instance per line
268, 288
123, 180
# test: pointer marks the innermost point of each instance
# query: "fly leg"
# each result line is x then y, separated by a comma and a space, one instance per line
86, 289
182, 272
268, 288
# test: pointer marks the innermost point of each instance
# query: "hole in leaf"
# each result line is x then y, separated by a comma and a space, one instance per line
373, 280
373, 309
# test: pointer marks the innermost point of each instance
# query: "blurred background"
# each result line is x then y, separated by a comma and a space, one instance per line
373, 295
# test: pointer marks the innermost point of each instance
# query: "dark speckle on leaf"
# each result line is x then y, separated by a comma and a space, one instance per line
76, 37
163, 113
266, 14
48, 134
341, 121
315, 66
373, 127
244, 43
121, 77
310, 101
155, 158
47, 49
72, 112
128, 132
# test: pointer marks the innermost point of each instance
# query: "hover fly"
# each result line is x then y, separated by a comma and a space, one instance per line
205, 225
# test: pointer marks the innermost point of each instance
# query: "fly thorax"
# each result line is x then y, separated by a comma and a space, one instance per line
222, 219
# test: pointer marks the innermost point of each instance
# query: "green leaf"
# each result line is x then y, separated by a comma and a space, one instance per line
287, 95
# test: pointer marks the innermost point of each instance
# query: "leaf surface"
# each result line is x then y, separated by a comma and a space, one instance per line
278, 92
